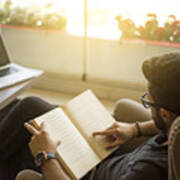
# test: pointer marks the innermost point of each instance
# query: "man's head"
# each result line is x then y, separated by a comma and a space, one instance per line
163, 75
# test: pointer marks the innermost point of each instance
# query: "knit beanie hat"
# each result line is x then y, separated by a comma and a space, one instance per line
163, 75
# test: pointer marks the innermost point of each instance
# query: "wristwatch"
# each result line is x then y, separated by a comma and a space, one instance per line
43, 156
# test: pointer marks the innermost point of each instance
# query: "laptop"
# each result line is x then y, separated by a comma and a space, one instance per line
11, 73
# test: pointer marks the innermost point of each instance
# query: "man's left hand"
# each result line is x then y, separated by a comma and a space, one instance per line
41, 140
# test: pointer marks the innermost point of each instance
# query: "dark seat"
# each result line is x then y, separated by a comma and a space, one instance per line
174, 151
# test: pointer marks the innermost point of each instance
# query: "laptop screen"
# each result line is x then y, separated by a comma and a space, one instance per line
4, 59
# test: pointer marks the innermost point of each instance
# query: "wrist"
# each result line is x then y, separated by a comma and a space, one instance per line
48, 163
43, 157
134, 130
138, 129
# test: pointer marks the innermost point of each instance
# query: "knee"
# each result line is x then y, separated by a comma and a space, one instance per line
129, 110
28, 175
120, 107
34, 106
30, 100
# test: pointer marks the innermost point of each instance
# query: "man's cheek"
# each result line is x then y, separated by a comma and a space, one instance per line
153, 113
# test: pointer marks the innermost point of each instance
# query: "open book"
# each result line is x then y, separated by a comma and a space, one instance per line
73, 124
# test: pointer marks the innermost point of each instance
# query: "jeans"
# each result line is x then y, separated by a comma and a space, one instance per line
15, 154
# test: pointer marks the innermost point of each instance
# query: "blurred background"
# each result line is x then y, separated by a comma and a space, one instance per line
101, 14
97, 44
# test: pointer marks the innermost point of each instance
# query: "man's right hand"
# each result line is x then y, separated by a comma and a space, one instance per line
119, 132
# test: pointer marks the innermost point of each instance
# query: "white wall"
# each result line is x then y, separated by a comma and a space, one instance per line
110, 64
52, 51
118, 63
112, 61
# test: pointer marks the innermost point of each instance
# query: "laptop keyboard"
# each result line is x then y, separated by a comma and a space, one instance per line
16, 74
8, 71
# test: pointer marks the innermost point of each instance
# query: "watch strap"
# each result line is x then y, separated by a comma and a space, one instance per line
139, 133
43, 156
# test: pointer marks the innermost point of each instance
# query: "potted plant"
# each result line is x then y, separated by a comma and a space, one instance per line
39, 17
151, 30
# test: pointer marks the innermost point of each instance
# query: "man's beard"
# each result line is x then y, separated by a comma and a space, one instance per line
159, 122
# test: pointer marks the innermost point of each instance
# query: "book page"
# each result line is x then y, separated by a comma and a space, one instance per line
74, 150
89, 115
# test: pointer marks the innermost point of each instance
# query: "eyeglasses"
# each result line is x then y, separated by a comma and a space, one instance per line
146, 103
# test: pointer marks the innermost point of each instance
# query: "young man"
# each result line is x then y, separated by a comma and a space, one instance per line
148, 161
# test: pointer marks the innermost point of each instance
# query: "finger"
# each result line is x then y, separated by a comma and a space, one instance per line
32, 138
115, 144
105, 133
30, 122
111, 138
110, 127
114, 125
31, 129
58, 143
44, 127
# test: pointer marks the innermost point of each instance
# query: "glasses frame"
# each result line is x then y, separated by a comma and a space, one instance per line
146, 103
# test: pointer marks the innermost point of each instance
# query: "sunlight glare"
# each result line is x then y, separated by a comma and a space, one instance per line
102, 13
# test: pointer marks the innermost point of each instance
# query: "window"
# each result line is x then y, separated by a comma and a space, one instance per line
102, 13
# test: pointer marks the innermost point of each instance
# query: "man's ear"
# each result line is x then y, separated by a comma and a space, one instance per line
167, 115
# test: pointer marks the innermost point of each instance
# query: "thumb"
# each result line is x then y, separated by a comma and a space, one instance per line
114, 144
58, 143
44, 127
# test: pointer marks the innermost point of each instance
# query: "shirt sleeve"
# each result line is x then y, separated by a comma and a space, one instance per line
144, 171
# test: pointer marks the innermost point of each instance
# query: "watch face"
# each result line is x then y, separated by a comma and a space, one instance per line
43, 156
40, 158
40, 155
